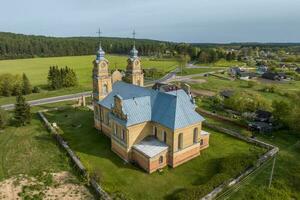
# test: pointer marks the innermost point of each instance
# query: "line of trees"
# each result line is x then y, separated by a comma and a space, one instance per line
213, 55
61, 77
12, 85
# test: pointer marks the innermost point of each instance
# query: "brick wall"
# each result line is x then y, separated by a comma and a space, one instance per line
185, 155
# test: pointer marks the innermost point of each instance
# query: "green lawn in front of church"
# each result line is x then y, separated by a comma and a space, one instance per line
118, 177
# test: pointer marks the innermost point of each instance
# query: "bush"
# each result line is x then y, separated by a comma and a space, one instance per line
36, 89
269, 89
3, 118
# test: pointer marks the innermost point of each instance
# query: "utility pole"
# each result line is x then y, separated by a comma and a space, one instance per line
272, 171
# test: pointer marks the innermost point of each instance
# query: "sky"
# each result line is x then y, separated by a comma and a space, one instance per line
201, 21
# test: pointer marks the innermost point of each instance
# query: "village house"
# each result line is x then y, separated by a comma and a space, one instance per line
150, 127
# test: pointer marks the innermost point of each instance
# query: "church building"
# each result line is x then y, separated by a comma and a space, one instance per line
149, 127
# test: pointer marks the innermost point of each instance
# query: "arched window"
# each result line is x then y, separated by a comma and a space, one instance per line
195, 135
165, 136
155, 132
161, 159
180, 141
105, 89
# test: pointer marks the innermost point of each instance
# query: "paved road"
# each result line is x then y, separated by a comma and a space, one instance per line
51, 100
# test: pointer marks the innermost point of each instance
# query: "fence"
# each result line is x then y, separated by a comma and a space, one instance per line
272, 151
97, 188
219, 117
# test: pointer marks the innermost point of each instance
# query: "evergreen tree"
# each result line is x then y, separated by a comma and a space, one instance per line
22, 111
26, 86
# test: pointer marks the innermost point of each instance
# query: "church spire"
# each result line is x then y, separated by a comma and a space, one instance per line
134, 52
100, 53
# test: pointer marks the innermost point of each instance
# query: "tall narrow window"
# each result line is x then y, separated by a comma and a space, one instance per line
195, 135
180, 141
105, 89
123, 135
201, 142
161, 159
115, 129
165, 136
155, 132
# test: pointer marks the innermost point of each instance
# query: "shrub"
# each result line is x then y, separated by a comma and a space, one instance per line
3, 118
36, 89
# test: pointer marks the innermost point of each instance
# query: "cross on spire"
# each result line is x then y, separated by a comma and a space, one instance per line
133, 37
99, 36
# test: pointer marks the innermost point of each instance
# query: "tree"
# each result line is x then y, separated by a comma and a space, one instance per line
281, 111
3, 118
22, 113
26, 86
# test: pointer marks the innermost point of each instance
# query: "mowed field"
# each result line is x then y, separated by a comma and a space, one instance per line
37, 68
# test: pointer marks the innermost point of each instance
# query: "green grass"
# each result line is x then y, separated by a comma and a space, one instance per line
116, 176
223, 63
216, 84
37, 69
286, 179
30, 150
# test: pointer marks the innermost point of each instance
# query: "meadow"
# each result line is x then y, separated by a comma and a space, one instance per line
31, 149
129, 181
37, 70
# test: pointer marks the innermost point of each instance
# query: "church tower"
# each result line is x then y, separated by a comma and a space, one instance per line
102, 84
134, 72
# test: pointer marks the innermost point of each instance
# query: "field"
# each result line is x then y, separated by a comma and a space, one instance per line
37, 69
223, 63
30, 150
118, 177
216, 84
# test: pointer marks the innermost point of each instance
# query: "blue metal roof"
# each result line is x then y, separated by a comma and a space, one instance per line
173, 109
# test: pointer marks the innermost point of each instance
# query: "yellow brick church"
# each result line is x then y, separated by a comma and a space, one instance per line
148, 127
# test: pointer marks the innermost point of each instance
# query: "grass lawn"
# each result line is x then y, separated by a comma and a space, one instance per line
286, 179
216, 84
30, 150
37, 69
223, 63
116, 176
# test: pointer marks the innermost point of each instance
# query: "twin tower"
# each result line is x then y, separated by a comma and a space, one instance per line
103, 80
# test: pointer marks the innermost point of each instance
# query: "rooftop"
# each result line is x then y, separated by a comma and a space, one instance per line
171, 109
150, 146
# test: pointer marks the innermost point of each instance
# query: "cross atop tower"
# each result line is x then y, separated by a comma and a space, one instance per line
99, 35
133, 37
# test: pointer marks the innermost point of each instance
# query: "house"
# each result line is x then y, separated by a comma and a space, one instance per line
235, 71
150, 127
261, 69
262, 116
274, 76
262, 122
260, 127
